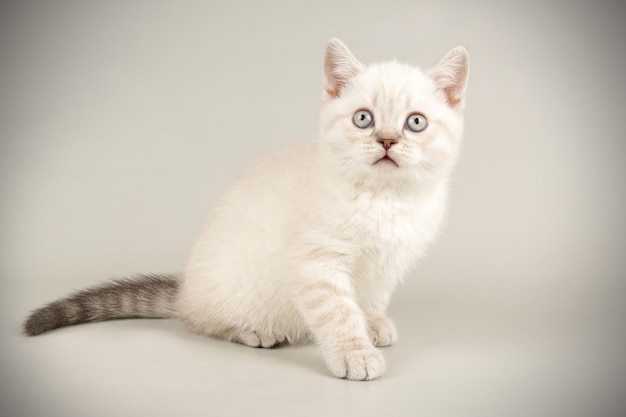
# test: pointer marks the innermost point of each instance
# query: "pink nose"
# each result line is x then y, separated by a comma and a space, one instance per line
387, 143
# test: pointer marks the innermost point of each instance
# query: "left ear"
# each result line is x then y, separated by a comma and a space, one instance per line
450, 75
340, 66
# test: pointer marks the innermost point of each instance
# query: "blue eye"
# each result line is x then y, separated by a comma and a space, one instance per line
363, 119
416, 122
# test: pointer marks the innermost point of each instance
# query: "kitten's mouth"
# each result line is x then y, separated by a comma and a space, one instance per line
386, 160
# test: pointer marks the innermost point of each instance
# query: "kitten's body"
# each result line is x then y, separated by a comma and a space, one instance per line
309, 245
293, 212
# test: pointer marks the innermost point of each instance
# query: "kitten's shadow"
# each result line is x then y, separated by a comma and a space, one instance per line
285, 354
305, 357
301, 356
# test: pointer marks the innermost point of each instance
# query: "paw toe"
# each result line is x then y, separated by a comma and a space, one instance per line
358, 365
383, 332
256, 339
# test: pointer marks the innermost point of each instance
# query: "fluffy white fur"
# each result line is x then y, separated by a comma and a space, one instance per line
309, 245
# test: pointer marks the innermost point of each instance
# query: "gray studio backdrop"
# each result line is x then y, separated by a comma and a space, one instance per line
121, 122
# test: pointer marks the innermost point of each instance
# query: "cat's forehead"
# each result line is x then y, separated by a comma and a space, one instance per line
393, 86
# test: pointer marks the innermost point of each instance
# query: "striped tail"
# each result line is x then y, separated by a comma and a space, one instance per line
144, 296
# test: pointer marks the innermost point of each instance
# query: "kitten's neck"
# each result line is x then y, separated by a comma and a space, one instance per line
401, 189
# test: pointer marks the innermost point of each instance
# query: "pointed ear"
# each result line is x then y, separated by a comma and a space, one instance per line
450, 75
339, 68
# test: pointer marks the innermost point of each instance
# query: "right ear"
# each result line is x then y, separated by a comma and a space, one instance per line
340, 66
450, 75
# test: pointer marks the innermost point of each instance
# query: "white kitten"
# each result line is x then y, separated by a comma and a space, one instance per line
309, 245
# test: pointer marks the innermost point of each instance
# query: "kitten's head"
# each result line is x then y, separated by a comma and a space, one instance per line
389, 122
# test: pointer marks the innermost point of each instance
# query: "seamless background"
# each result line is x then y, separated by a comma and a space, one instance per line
122, 121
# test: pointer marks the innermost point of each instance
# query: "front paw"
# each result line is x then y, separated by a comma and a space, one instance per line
357, 365
382, 331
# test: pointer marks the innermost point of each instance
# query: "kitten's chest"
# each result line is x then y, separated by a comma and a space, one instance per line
385, 221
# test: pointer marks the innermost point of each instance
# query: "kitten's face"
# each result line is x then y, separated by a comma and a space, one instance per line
392, 122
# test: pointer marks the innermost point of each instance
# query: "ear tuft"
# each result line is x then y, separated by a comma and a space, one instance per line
340, 66
450, 75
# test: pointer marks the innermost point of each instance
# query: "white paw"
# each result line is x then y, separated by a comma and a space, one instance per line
382, 332
257, 339
357, 365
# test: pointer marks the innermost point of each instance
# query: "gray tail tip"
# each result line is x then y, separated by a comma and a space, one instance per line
38, 322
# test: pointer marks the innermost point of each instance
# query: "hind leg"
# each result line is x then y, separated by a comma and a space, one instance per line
252, 338
255, 338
